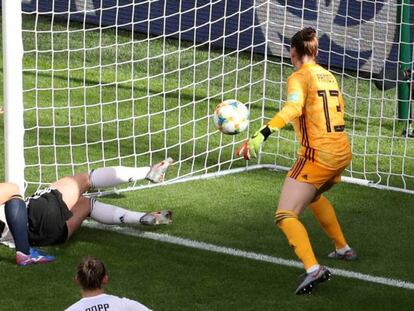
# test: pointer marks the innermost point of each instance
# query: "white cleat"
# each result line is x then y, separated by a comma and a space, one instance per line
163, 217
309, 280
157, 171
349, 255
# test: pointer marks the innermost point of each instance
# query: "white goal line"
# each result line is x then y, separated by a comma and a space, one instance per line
244, 254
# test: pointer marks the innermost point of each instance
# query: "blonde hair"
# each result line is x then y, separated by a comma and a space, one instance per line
305, 42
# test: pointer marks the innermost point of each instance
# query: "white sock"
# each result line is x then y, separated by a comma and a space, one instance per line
344, 249
112, 176
110, 214
312, 269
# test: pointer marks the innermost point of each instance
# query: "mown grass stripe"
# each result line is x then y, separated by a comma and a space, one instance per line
244, 254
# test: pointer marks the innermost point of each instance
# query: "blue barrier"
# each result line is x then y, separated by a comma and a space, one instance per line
352, 34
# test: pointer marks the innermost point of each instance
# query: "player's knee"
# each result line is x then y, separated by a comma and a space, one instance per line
84, 181
316, 198
282, 215
82, 209
11, 189
14, 189
15, 209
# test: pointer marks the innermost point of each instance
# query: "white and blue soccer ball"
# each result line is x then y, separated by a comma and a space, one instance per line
231, 117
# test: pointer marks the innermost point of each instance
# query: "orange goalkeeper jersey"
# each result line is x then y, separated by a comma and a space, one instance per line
315, 107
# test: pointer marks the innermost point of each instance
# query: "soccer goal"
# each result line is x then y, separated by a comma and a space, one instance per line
103, 83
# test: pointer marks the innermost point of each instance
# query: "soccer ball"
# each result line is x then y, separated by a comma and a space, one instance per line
231, 117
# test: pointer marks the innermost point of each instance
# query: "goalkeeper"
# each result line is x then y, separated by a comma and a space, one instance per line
315, 107
51, 216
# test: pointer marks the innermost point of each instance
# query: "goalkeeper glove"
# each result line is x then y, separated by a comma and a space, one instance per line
250, 147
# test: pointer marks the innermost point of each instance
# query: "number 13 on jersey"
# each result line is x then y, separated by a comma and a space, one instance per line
334, 119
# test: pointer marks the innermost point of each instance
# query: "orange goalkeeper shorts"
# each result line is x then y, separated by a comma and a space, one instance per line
313, 173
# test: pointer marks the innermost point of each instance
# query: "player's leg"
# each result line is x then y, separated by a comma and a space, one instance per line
80, 211
16, 217
324, 212
8, 190
105, 177
111, 214
297, 192
72, 187
15, 214
112, 176
294, 197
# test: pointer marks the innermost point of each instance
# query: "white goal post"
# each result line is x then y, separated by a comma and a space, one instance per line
114, 82
13, 93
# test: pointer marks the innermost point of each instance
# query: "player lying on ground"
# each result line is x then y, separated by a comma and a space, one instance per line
13, 225
315, 107
92, 277
51, 216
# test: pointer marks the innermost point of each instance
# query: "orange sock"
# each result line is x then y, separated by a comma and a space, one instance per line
325, 213
297, 237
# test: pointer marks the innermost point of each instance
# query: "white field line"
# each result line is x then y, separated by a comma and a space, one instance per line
240, 253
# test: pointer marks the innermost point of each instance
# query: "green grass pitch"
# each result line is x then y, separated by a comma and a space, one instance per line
237, 212
234, 211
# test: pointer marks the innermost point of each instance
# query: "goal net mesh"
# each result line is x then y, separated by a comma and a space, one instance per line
110, 83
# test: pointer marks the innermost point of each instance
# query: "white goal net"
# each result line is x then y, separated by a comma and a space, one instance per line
130, 83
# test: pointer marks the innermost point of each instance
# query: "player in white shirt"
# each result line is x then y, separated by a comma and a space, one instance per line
107, 302
91, 276
52, 215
